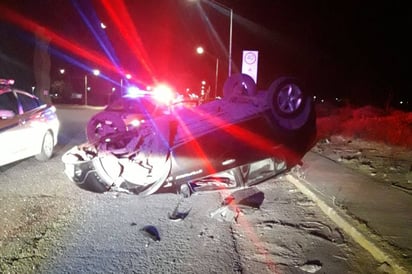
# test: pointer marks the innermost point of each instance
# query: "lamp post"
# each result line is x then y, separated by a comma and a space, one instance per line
200, 51
230, 31
85, 90
216, 76
128, 77
230, 42
96, 72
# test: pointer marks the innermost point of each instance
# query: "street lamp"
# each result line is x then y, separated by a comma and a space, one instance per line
128, 77
96, 72
230, 31
201, 51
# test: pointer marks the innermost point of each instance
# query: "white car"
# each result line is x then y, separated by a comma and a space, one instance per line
28, 127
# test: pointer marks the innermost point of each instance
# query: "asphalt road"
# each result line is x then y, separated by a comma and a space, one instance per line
111, 233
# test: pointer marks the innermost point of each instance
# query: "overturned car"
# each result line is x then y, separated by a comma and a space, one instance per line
238, 140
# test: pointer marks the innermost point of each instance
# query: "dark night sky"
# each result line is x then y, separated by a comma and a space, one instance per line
353, 49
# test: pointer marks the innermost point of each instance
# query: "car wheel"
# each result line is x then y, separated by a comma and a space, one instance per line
103, 124
94, 183
151, 164
141, 158
239, 84
46, 147
289, 103
165, 171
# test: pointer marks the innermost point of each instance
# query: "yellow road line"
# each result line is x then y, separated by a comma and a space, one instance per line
357, 236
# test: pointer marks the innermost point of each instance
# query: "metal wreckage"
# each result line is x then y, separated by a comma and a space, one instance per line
239, 140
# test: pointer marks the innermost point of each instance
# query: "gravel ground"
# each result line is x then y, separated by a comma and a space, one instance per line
387, 163
35, 211
32, 215
37, 202
35, 215
290, 234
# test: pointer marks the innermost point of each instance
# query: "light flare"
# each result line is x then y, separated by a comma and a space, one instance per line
120, 16
197, 149
163, 94
70, 46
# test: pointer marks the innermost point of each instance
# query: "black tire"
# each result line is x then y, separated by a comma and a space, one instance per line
46, 148
84, 172
103, 124
93, 183
97, 180
148, 164
290, 104
239, 84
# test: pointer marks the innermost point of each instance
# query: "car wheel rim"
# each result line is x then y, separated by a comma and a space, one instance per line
290, 99
48, 144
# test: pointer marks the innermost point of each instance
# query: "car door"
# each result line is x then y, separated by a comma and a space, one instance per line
11, 143
31, 124
21, 134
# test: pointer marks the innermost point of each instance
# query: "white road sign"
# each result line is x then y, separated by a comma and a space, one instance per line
250, 63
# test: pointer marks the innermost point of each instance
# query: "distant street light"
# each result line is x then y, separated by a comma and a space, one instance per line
128, 76
200, 51
95, 72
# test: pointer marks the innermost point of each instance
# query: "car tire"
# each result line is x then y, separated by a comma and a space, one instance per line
93, 183
105, 121
239, 84
46, 147
160, 181
146, 161
290, 105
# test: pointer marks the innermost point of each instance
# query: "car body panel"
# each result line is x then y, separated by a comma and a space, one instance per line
123, 114
21, 136
239, 137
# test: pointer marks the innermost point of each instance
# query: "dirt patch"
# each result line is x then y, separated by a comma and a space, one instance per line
30, 226
373, 141
391, 127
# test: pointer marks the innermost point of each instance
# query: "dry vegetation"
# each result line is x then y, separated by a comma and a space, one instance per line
391, 127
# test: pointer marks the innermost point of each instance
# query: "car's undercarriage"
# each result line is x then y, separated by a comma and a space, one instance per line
221, 142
